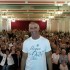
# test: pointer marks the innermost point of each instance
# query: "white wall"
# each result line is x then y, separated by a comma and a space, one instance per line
5, 24
61, 24
0, 24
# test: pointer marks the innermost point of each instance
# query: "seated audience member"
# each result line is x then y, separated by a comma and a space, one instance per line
7, 60
63, 56
55, 59
63, 66
17, 59
69, 60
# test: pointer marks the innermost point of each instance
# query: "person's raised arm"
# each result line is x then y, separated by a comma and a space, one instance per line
49, 60
0, 49
23, 61
1, 52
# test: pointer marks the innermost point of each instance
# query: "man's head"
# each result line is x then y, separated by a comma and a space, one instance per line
7, 51
34, 28
33, 25
63, 51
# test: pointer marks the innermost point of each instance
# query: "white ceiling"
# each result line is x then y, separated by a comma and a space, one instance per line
34, 9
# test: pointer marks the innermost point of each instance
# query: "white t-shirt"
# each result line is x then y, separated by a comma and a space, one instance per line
36, 53
63, 67
55, 57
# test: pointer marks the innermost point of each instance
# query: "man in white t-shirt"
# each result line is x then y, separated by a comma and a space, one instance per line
36, 51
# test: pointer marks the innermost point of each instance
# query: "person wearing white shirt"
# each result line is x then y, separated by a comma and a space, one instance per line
69, 59
55, 60
63, 66
36, 51
7, 60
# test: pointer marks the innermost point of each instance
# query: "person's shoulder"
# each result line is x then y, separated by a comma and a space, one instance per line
53, 53
27, 40
45, 39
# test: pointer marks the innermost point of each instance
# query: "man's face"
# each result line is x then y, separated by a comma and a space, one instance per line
34, 29
7, 52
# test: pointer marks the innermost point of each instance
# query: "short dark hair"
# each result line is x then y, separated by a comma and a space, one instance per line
7, 49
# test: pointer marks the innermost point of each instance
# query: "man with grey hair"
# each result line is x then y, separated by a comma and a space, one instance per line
63, 56
36, 51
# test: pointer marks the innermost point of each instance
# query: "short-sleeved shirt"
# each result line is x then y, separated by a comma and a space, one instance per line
36, 50
55, 57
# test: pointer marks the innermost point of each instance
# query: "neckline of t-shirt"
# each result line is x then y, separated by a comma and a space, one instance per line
35, 39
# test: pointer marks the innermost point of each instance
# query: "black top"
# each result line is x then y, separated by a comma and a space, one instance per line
6, 62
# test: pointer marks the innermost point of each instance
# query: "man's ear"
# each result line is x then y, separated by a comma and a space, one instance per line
29, 29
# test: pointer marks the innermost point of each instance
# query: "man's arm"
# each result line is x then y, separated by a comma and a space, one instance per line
49, 60
23, 61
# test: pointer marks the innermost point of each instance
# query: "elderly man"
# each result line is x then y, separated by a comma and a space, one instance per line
36, 51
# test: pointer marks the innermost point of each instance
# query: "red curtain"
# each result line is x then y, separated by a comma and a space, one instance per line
23, 24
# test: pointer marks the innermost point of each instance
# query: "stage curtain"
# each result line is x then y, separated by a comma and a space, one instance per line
23, 25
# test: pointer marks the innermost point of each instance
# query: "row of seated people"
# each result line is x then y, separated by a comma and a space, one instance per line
61, 60
11, 49
10, 59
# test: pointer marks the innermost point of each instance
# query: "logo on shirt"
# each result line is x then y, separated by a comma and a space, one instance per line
35, 52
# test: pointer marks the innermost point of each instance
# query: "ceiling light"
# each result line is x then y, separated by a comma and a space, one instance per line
13, 19
4, 16
43, 20
68, 3
50, 16
58, 4
58, 12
